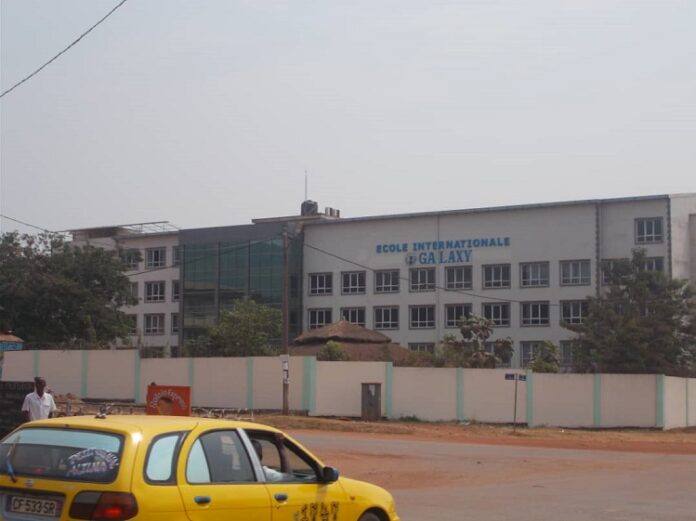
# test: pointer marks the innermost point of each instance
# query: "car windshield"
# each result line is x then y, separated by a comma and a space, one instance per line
66, 454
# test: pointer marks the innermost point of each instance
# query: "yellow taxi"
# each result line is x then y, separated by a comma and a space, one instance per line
168, 468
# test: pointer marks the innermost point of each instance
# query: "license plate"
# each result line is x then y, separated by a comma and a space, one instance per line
34, 506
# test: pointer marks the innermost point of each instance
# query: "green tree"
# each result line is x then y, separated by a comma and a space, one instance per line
645, 323
245, 330
471, 350
332, 352
546, 359
52, 292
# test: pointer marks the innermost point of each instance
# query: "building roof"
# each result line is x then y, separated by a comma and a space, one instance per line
341, 331
6, 337
358, 352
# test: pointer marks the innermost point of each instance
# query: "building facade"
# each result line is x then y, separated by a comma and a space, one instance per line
527, 268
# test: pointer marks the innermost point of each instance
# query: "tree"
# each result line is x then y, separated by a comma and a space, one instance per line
332, 352
546, 359
52, 292
645, 323
471, 350
245, 330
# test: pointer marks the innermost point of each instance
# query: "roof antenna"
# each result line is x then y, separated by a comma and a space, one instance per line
305, 184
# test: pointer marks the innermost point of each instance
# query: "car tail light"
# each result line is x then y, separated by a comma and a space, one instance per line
115, 506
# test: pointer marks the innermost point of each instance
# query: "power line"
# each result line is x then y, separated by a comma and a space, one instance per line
64, 50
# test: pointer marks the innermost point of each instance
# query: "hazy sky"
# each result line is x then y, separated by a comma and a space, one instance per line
207, 113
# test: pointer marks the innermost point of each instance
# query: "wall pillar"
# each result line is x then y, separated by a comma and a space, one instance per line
597, 401
660, 401
389, 387
460, 394
84, 373
249, 382
136, 376
309, 384
530, 398
191, 376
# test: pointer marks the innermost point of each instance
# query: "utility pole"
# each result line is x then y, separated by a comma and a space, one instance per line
285, 348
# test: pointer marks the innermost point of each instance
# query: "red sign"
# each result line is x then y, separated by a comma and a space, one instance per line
168, 400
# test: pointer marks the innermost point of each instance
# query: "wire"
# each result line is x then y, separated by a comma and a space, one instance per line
64, 50
25, 223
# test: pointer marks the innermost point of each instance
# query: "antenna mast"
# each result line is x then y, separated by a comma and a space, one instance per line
305, 184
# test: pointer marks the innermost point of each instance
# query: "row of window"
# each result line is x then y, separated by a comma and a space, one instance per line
528, 350
154, 257
155, 291
494, 276
423, 316
154, 324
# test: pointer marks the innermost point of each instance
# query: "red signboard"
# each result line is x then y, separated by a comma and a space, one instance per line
169, 400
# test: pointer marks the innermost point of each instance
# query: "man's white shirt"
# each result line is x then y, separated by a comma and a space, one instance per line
39, 407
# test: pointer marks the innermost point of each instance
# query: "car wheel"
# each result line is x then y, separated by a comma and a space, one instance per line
369, 516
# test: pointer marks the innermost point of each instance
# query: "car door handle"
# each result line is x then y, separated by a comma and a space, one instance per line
202, 500
280, 498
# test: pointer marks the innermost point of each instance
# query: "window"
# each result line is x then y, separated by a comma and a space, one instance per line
154, 291
422, 317
490, 348
566, 353
496, 276
353, 282
354, 315
133, 290
649, 230
219, 457
573, 311
422, 347
534, 274
154, 324
529, 351
160, 462
299, 466
175, 323
155, 257
497, 312
575, 273
176, 255
319, 318
608, 266
458, 277
387, 281
176, 288
653, 264
132, 324
132, 259
422, 279
320, 283
455, 312
387, 317
535, 313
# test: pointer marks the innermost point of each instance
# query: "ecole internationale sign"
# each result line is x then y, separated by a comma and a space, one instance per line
441, 252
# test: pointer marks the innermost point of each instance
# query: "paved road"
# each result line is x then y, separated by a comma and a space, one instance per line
440, 481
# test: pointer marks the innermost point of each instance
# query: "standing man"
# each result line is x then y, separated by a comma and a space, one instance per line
38, 405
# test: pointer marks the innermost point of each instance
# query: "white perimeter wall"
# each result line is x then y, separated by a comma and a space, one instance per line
565, 400
428, 393
628, 400
489, 398
339, 386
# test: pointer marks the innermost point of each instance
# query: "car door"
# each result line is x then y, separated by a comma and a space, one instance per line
217, 481
293, 480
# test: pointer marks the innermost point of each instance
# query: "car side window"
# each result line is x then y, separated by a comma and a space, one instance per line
291, 465
218, 457
159, 467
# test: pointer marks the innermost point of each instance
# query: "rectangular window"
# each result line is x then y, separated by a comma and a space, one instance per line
454, 313
575, 273
496, 276
154, 291
608, 266
132, 324
567, 353
319, 318
529, 351
155, 257
133, 289
653, 264
497, 312
354, 315
534, 274
458, 277
387, 281
131, 259
387, 317
535, 313
649, 230
422, 317
422, 347
353, 282
422, 279
175, 323
573, 311
320, 283
176, 288
154, 324
176, 255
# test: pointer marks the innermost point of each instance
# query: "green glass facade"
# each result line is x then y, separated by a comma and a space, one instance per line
216, 273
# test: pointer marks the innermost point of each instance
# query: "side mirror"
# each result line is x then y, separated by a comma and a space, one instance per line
329, 474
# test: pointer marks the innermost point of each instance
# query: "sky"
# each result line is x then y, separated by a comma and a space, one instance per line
209, 113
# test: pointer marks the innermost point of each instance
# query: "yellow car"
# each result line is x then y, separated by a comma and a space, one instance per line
167, 468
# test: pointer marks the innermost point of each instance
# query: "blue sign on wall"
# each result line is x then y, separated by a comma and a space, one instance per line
441, 252
11, 346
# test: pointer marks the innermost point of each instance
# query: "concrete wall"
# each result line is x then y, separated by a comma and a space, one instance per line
334, 388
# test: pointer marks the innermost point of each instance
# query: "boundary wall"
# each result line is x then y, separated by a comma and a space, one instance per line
334, 388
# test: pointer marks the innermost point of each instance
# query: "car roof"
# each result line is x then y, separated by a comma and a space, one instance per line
147, 425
